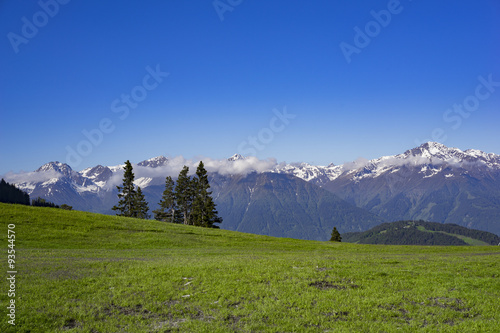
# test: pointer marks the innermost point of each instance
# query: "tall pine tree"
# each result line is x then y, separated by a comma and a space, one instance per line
141, 209
204, 213
184, 194
126, 193
168, 211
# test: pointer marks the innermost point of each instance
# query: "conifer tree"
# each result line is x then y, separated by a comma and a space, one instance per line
335, 237
168, 211
204, 213
141, 209
184, 194
126, 193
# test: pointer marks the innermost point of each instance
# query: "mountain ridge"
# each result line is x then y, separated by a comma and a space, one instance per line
430, 182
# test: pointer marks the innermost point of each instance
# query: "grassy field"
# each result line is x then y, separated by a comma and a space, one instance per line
83, 272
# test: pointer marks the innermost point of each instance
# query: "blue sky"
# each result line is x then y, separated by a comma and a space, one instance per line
293, 80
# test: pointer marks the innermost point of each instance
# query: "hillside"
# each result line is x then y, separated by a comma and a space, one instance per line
85, 272
421, 233
285, 206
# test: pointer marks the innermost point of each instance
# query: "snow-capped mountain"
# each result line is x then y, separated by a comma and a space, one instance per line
98, 174
430, 182
432, 158
318, 175
235, 157
52, 177
154, 162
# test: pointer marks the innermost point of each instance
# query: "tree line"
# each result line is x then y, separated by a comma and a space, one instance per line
9, 193
188, 201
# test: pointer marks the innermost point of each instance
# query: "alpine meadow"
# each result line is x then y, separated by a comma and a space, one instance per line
85, 272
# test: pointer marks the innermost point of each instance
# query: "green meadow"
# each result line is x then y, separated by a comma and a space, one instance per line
84, 272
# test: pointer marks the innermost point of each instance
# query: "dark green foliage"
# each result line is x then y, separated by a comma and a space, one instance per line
168, 211
141, 208
204, 213
420, 233
11, 194
184, 194
40, 202
335, 237
66, 207
132, 202
126, 193
189, 201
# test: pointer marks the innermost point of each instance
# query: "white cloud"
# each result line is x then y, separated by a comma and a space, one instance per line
359, 163
225, 167
175, 165
31, 177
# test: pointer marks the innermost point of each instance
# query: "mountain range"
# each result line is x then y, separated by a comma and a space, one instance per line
431, 182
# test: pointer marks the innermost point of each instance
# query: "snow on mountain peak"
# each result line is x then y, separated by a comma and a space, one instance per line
429, 158
433, 149
236, 157
55, 166
97, 174
307, 172
154, 162
437, 152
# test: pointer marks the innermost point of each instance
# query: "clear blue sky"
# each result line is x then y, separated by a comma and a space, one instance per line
86, 66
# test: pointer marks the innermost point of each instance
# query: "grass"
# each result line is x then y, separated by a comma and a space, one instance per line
83, 272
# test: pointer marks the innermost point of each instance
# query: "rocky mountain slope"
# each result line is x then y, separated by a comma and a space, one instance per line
285, 206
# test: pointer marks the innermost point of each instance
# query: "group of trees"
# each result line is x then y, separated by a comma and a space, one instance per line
41, 202
188, 201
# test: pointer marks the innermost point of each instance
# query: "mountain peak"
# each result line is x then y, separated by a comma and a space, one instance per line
154, 162
236, 157
97, 173
435, 149
57, 166
444, 153
431, 145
